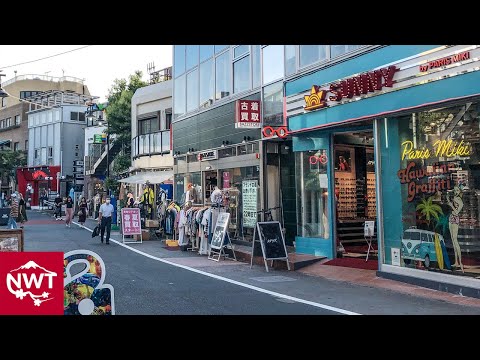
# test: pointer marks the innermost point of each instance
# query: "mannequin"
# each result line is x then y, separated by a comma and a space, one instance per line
189, 195
216, 197
181, 227
148, 199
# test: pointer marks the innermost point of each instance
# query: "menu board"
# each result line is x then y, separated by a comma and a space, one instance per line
249, 200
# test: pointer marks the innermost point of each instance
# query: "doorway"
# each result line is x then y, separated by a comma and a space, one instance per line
355, 195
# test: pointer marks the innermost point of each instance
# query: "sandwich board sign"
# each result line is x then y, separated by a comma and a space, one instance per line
220, 238
268, 236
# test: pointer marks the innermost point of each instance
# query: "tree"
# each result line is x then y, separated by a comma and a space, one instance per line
430, 210
119, 113
10, 160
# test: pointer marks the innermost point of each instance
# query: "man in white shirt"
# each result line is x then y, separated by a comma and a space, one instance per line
105, 220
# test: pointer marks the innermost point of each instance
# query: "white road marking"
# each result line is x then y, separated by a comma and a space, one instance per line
248, 286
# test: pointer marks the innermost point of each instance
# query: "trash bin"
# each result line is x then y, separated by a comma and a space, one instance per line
4, 216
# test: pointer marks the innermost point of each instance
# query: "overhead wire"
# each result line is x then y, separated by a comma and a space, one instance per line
46, 57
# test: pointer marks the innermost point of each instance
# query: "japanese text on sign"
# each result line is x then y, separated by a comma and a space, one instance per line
249, 197
247, 114
131, 221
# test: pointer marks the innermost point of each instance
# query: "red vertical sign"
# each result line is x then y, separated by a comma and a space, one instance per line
247, 114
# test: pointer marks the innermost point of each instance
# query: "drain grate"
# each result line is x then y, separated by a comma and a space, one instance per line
272, 279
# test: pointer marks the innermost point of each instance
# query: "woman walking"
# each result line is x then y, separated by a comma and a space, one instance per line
69, 211
82, 212
22, 210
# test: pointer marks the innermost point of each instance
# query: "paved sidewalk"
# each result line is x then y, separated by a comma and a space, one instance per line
366, 278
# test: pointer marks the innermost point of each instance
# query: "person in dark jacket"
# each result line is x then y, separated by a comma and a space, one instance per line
22, 210
82, 212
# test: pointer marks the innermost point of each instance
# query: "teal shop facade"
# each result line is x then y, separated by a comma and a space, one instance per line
422, 104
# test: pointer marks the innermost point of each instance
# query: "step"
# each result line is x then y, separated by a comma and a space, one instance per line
296, 261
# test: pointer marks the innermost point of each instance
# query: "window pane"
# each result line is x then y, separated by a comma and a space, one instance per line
272, 63
81, 116
273, 104
337, 50
168, 119
73, 116
165, 141
222, 76
290, 59
310, 54
192, 86
219, 48
206, 84
179, 96
146, 144
312, 199
240, 50
256, 65
206, 51
154, 125
241, 75
179, 65
192, 56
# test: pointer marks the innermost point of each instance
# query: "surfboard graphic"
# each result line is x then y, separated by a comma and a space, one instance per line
438, 251
446, 260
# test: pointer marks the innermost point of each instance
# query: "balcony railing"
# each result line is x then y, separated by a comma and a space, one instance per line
150, 144
42, 77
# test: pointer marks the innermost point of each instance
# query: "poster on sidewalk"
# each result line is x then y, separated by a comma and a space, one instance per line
249, 200
131, 221
220, 229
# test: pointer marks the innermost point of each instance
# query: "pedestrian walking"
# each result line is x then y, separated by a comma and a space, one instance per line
22, 210
12, 223
105, 220
82, 212
58, 207
69, 211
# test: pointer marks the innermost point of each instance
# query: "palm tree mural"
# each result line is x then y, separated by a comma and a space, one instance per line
442, 223
430, 210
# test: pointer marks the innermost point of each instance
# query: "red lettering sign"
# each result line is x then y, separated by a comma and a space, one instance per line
31, 283
445, 61
355, 86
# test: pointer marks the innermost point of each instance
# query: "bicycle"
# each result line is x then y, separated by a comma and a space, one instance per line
268, 213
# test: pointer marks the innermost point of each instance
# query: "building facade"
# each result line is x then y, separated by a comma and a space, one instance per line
212, 85
13, 111
387, 139
56, 138
152, 158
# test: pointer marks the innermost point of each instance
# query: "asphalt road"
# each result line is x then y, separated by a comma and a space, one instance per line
144, 285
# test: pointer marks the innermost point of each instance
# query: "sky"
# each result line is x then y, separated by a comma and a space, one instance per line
99, 65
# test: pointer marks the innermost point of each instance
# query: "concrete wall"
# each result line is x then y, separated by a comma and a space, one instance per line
15, 133
15, 87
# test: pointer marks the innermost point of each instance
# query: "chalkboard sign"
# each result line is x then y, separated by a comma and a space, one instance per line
271, 238
219, 231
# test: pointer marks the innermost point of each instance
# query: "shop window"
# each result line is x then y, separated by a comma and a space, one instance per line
430, 186
312, 194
